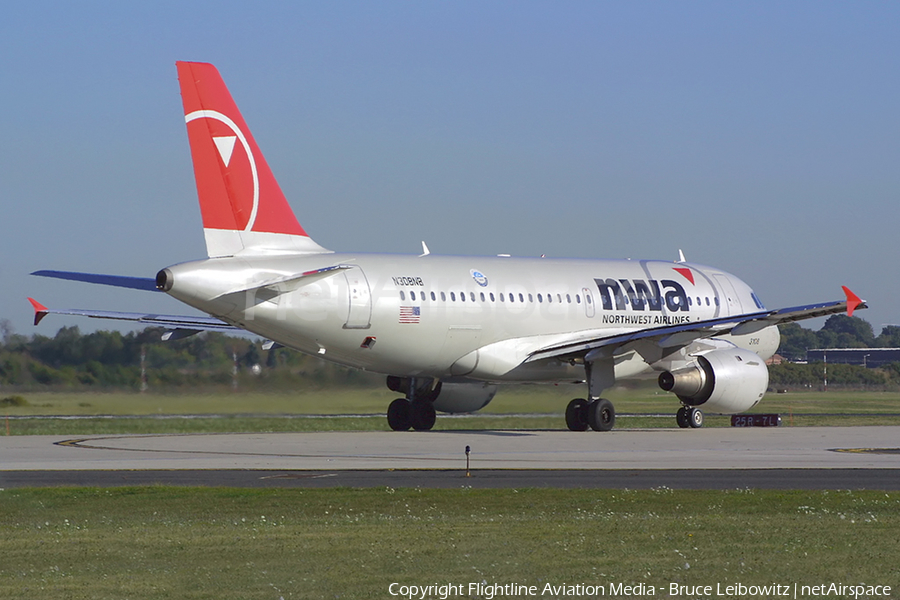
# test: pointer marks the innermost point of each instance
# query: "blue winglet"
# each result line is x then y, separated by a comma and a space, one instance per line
136, 283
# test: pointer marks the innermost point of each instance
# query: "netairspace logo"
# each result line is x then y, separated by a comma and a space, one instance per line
489, 591
479, 277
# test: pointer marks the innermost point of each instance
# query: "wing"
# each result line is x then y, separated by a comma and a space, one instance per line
669, 336
177, 326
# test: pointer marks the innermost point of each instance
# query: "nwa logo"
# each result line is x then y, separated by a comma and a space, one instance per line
642, 295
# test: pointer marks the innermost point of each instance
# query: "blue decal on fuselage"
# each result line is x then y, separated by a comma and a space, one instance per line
479, 278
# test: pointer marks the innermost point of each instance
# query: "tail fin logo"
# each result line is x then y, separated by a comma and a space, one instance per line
225, 145
237, 181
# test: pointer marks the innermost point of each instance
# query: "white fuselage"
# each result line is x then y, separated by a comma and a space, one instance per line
452, 316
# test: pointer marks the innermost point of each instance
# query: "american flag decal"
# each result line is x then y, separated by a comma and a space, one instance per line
410, 314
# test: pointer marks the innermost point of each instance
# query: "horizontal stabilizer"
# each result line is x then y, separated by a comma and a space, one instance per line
136, 283
171, 321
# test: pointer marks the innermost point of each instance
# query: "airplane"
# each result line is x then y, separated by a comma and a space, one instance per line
446, 330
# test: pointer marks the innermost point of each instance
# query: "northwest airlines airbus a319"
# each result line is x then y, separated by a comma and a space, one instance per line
445, 330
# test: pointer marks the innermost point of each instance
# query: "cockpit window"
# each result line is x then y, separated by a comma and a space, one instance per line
756, 299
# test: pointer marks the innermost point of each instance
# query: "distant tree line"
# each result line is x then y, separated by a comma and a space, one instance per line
839, 331
110, 359
812, 376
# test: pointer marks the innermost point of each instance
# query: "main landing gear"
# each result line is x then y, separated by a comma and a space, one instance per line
689, 416
599, 415
418, 414
416, 411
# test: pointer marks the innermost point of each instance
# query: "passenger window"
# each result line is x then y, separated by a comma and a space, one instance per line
482, 296
540, 299
512, 297
707, 300
568, 298
501, 296
530, 298
453, 296
577, 299
402, 296
521, 298
492, 297
559, 297
443, 297
412, 296
472, 296
462, 296
432, 296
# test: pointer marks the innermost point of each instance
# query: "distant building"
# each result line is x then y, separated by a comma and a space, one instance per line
864, 357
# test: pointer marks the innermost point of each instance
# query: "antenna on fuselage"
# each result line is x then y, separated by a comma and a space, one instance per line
425, 250
681, 257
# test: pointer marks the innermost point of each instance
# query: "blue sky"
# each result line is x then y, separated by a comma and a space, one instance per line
760, 137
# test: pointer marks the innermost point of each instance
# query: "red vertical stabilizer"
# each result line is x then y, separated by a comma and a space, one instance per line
243, 208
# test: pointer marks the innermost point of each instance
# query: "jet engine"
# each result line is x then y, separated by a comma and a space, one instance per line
445, 396
725, 381
464, 397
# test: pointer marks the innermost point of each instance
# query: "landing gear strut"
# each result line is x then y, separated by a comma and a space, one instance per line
595, 412
689, 416
599, 415
417, 409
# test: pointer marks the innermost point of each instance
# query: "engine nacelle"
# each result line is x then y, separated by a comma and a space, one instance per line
464, 397
726, 381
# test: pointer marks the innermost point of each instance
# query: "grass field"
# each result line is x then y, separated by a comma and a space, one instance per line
355, 409
161, 542
526, 407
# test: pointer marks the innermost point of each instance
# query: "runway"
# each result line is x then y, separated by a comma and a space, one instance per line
817, 457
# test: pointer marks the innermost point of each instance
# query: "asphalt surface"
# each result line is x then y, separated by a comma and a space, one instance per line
715, 458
